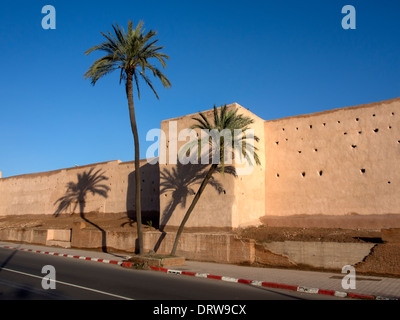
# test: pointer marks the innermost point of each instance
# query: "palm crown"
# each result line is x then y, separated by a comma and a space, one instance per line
128, 52
240, 142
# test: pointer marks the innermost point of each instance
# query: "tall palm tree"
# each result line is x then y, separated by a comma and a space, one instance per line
223, 120
130, 52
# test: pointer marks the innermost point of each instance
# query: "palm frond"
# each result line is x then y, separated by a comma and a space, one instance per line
227, 133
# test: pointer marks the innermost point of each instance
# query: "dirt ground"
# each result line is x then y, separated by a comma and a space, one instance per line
120, 222
269, 234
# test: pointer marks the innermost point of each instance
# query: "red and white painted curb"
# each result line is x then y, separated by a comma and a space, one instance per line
64, 255
217, 277
270, 284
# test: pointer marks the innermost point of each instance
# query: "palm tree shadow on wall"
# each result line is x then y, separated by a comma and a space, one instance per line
179, 180
88, 182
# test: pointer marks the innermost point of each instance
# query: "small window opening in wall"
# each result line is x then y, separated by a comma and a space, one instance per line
392, 113
297, 128
357, 119
354, 146
324, 124
344, 133
276, 142
320, 172
398, 141
303, 174
277, 175
310, 126
315, 150
390, 127
224, 191
338, 121
362, 171
299, 151
389, 182
373, 114
283, 129
359, 132
376, 130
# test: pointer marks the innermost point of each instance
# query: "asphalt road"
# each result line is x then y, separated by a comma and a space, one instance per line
21, 279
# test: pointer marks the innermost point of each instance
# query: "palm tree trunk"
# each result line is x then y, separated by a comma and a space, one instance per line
193, 204
129, 94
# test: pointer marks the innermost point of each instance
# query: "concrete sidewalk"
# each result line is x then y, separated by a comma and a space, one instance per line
366, 285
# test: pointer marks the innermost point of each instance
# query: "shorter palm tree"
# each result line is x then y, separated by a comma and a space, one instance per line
223, 120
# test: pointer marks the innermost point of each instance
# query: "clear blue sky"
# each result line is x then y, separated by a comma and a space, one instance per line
278, 58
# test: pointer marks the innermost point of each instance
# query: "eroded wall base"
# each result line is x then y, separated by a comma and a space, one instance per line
380, 258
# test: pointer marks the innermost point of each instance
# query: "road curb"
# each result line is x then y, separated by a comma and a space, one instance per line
65, 255
216, 277
272, 284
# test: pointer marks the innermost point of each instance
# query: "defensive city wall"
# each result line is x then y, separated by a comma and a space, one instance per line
337, 168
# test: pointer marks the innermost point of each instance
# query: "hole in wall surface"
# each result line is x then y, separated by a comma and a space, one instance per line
357, 119
277, 175
376, 130
303, 174
362, 170
354, 146
320, 172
